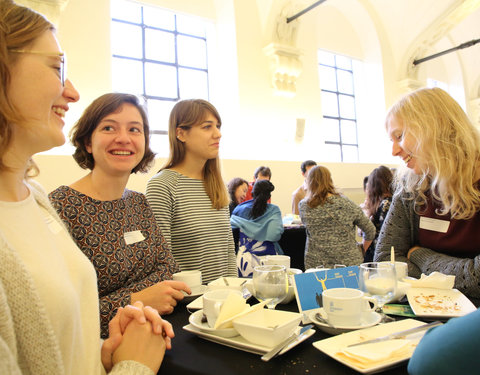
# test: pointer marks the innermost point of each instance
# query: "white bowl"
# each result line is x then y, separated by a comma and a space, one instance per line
234, 283
267, 327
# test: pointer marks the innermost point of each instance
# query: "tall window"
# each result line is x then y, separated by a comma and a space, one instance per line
338, 106
158, 55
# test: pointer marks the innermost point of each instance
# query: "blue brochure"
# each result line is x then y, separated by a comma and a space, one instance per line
309, 286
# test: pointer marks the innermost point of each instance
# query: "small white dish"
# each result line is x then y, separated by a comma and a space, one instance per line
196, 292
369, 319
238, 342
195, 320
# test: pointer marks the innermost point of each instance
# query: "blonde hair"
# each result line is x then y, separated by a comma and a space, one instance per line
447, 144
185, 114
19, 28
319, 186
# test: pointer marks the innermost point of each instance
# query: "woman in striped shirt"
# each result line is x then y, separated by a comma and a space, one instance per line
188, 196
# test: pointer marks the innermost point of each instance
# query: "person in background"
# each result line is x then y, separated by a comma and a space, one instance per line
261, 227
188, 196
379, 197
299, 194
261, 173
48, 288
114, 226
330, 221
451, 348
435, 214
237, 189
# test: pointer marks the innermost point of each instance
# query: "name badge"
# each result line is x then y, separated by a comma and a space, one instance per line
133, 237
52, 224
434, 225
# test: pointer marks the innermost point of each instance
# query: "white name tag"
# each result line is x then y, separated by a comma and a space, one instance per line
434, 225
133, 237
52, 224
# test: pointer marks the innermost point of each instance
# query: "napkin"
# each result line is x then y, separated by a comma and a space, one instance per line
377, 353
233, 305
434, 280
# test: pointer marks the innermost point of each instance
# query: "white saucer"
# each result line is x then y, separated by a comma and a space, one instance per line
195, 320
369, 319
197, 291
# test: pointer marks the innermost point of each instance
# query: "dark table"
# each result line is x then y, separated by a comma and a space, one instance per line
193, 355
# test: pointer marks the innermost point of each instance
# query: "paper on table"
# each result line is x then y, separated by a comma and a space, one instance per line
435, 280
368, 355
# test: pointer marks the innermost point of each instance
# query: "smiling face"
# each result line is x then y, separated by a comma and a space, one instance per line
37, 93
241, 192
202, 141
118, 142
404, 145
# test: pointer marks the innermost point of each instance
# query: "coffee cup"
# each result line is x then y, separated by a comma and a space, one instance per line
401, 269
346, 306
192, 278
277, 260
213, 302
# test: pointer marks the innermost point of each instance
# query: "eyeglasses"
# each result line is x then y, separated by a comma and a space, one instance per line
61, 55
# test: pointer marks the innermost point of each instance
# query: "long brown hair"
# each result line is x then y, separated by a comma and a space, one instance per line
379, 186
19, 28
185, 114
319, 186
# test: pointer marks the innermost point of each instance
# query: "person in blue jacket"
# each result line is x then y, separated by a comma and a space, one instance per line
261, 227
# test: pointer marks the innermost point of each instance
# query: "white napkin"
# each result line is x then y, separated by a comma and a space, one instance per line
374, 354
233, 305
435, 280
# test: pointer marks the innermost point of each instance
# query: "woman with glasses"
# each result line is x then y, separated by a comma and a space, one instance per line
188, 195
48, 292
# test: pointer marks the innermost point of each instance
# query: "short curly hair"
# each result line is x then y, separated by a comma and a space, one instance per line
81, 133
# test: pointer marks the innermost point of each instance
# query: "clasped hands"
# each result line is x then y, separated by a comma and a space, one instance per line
137, 333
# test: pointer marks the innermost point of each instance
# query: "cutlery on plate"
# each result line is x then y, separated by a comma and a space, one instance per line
400, 334
321, 319
277, 349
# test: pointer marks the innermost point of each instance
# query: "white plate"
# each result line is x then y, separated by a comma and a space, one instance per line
447, 303
195, 320
369, 319
196, 292
238, 342
335, 344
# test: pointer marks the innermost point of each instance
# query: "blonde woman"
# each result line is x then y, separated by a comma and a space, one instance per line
434, 219
188, 195
330, 220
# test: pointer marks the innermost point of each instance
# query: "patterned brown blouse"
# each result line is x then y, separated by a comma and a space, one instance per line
101, 230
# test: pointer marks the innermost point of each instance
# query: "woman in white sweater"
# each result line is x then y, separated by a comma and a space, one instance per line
48, 293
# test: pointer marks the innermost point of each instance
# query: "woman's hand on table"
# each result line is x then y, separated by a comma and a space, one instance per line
162, 296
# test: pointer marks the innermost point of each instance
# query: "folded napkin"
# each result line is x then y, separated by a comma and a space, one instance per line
435, 280
377, 353
233, 305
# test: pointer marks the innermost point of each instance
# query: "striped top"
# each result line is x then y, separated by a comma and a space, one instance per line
199, 235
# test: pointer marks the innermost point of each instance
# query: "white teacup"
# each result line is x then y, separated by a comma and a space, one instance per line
213, 301
401, 269
192, 278
345, 306
277, 260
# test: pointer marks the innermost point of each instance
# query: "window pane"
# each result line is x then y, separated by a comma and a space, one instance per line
126, 10
192, 52
347, 106
193, 84
332, 130
345, 81
126, 40
127, 76
350, 154
349, 132
158, 113
329, 104
190, 25
161, 81
326, 58
328, 80
343, 62
158, 18
332, 152
159, 45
